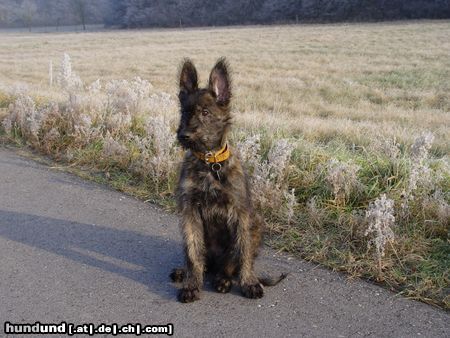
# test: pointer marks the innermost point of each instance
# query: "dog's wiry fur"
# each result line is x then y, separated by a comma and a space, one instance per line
221, 231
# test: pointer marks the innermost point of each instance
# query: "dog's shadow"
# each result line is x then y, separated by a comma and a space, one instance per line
140, 257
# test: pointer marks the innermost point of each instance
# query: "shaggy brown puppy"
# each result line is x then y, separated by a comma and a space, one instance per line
221, 231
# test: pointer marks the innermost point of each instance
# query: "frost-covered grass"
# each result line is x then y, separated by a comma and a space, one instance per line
348, 169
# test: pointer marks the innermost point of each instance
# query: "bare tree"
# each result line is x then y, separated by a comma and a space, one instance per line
80, 7
3, 16
28, 11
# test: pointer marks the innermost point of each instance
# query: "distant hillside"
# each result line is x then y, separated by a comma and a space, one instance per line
32, 13
175, 13
170, 13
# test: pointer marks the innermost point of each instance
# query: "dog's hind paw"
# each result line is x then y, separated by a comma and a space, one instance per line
177, 275
252, 290
188, 295
222, 285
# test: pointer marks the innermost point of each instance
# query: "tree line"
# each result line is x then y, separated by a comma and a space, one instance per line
34, 13
185, 13
172, 13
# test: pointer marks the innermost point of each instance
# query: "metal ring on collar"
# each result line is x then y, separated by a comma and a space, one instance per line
216, 167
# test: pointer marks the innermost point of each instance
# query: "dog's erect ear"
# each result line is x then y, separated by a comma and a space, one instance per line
188, 77
220, 83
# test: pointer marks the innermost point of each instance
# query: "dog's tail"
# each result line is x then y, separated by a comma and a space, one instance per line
271, 281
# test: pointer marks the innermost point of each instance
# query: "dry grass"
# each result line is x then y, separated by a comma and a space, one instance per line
344, 129
327, 83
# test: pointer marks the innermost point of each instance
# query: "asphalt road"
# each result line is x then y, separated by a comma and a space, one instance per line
78, 252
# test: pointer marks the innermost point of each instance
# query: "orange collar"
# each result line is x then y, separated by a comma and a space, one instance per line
210, 157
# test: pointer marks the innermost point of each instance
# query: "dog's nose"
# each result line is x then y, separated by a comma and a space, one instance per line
183, 137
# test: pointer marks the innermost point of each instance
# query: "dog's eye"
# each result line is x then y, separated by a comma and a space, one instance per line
205, 112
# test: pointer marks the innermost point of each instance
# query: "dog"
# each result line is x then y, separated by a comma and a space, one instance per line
221, 231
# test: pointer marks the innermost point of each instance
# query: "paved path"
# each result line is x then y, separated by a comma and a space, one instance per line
79, 252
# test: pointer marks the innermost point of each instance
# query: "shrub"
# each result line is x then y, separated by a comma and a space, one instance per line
380, 216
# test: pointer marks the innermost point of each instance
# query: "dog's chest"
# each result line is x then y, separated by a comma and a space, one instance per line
210, 193
214, 204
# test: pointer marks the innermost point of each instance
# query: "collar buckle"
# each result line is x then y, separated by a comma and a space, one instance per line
208, 156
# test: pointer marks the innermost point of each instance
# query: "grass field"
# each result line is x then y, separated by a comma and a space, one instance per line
341, 115
333, 82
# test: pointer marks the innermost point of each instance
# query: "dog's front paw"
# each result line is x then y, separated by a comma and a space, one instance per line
188, 295
222, 285
252, 290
